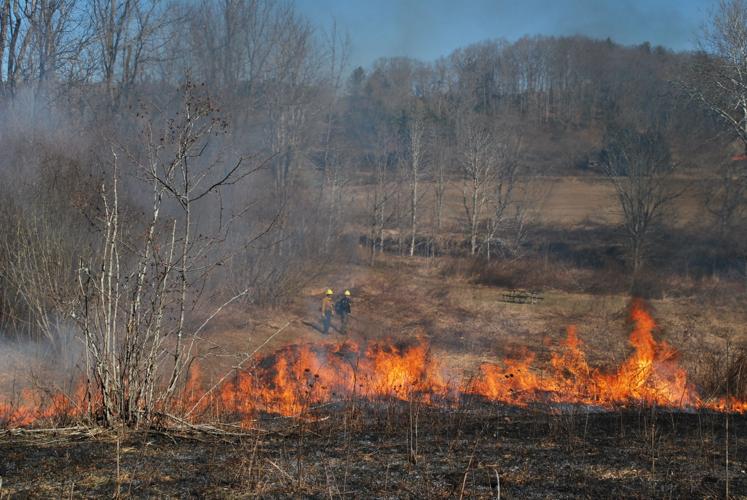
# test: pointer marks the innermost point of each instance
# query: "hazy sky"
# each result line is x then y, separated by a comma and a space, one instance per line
427, 29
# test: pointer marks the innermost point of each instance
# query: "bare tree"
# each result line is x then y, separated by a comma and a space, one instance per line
528, 199
289, 107
34, 270
381, 194
136, 292
440, 175
478, 161
640, 168
123, 32
416, 130
503, 178
333, 158
717, 76
55, 41
231, 42
378, 202
16, 32
335, 180
725, 198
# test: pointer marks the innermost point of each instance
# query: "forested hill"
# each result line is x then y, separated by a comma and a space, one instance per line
562, 94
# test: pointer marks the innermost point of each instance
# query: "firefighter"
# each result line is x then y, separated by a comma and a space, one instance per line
342, 308
327, 310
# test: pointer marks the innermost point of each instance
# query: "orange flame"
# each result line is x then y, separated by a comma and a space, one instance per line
650, 375
298, 377
30, 407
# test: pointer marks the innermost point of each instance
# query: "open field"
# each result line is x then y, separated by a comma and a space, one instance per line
405, 299
355, 447
559, 201
465, 325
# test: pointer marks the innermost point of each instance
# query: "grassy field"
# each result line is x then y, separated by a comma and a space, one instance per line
466, 324
558, 201
396, 448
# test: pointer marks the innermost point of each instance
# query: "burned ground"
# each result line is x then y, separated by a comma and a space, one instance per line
371, 450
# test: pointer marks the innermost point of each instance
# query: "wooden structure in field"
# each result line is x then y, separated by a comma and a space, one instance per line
520, 296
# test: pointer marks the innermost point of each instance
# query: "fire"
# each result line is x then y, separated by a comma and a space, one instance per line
298, 377
651, 374
32, 406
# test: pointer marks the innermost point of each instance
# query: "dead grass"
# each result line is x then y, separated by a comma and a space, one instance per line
467, 322
566, 201
358, 448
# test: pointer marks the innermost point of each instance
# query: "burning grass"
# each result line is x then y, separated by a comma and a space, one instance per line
298, 377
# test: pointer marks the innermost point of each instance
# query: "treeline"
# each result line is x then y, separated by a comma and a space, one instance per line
242, 141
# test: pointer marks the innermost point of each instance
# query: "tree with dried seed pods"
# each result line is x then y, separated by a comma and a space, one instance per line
136, 292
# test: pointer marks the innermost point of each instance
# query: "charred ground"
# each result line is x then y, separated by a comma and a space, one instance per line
359, 449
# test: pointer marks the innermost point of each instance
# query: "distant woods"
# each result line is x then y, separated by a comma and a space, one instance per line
246, 157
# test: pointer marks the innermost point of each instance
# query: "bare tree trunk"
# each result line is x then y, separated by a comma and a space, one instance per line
416, 132
473, 212
504, 180
17, 53
476, 145
439, 193
4, 21
399, 210
378, 208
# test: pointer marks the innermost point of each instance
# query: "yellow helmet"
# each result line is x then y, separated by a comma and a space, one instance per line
329, 291
347, 293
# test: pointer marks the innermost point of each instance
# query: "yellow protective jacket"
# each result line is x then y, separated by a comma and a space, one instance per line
327, 305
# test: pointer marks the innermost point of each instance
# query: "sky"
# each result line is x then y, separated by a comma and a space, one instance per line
429, 29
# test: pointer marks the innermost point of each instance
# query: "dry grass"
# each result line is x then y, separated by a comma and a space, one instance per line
559, 201
357, 448
467, 323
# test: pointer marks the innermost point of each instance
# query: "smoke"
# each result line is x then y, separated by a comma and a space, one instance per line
41, 364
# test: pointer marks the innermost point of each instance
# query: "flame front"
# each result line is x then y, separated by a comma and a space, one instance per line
651, 374
35, 406
298, 377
